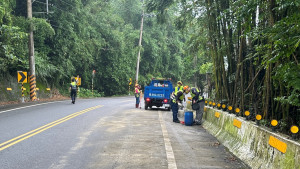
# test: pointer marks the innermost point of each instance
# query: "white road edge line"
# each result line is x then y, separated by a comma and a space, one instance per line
29, 106
169, 151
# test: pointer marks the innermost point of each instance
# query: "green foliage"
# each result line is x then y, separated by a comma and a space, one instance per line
206, 68
288, 75
250, 47
87, 93
12, 41
77, 37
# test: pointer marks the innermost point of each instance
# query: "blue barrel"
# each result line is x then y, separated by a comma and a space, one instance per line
188, 118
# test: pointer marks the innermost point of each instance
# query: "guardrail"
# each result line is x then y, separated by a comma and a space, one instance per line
257, 146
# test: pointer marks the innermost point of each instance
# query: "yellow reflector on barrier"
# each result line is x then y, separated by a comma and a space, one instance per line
48, 89
223, 106
229, 107
247, 113
279, 145
214, 104
205, 101
217, 114
274, 123
294, 129
237, 110
237, 123
210, 103
258, 117
219, 105
9, 89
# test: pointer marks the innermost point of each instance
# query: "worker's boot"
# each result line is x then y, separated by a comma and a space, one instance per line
136, 105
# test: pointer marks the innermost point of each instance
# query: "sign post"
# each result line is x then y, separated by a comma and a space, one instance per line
22, 88
22, 78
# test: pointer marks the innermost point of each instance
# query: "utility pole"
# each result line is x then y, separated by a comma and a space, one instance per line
140, 46
31, 53
47, 6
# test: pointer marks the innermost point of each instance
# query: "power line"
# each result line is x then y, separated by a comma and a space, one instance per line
52, 5
67, 3
47, 12
66, 12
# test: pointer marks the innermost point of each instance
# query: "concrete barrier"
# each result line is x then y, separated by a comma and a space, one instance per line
257, 146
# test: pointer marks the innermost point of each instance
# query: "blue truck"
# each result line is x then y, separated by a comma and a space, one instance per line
158, 93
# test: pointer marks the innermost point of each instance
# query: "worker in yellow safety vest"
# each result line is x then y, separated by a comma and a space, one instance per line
197, 102
137, 93
73, 89
177, 100
179, 86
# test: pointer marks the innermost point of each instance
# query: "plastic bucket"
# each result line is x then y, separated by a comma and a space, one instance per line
188, 118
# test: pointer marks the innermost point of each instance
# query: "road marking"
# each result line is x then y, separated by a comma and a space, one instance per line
168, 146
29, 106
31, 133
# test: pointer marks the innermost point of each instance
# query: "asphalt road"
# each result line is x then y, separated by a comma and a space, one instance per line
106, 133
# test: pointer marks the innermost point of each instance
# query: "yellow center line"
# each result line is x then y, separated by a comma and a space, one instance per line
40, 128
43, 128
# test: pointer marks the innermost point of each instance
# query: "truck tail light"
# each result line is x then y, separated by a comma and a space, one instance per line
148, 99
166, 100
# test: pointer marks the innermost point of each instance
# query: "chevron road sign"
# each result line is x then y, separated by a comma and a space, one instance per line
22, 77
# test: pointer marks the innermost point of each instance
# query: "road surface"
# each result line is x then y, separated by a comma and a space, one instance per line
106, 133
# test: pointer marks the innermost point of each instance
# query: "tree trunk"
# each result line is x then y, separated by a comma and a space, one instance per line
268, 80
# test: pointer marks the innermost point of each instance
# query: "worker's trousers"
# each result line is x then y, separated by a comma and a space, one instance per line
73, 95
137, 100
199, 112
175, 111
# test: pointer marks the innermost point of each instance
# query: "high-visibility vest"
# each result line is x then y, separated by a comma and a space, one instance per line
137, 92
73, 85
181, 97
193, 95
178, 88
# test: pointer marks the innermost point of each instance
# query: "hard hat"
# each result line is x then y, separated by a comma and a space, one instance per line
185, 87
179, 82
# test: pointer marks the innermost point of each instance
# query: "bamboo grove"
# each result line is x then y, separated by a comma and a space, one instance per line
253, 46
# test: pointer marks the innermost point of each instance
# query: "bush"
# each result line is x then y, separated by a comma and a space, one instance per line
86, 93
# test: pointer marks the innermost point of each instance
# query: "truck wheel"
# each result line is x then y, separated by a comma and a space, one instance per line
146, 107
169, 108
